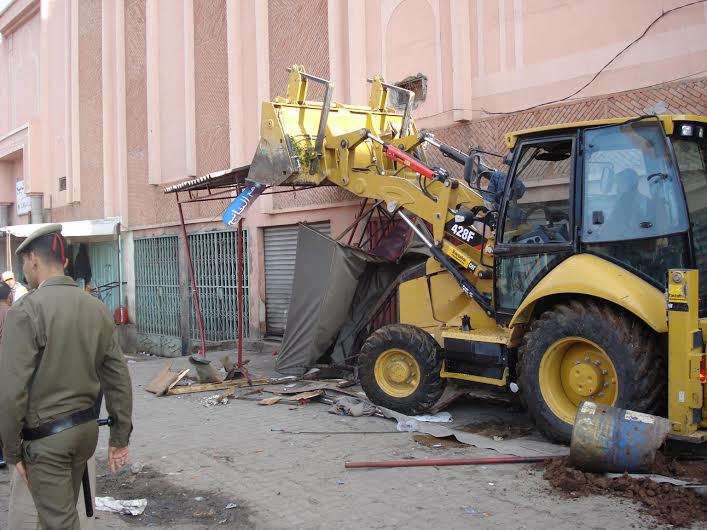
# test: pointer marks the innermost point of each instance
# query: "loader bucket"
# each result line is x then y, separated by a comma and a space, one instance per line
301, 142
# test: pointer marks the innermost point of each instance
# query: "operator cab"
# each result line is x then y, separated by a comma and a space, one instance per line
623, 190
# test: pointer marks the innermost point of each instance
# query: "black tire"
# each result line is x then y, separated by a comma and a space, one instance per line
418, 344
632, 347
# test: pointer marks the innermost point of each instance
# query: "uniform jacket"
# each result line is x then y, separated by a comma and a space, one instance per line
59, 347
4, 308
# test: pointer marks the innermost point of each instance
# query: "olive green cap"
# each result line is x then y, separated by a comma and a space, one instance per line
43, 231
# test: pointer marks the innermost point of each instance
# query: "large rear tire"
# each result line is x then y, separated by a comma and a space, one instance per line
589, 351
399, 367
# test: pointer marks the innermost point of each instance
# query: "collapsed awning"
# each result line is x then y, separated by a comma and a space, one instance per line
93, 230
227, 178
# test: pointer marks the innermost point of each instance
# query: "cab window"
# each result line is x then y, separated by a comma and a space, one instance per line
537, 207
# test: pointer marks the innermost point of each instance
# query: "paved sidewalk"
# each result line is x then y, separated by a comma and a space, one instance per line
200, 459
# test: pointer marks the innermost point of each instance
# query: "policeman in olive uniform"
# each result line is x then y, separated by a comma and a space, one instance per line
58, 350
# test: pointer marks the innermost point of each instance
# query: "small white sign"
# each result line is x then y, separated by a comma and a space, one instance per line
22, 202
681, 396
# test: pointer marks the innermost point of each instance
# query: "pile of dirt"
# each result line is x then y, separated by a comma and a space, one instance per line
668, 503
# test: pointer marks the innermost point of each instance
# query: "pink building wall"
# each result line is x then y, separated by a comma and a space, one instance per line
123, 97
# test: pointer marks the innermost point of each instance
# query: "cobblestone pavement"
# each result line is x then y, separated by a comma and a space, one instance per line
230, 454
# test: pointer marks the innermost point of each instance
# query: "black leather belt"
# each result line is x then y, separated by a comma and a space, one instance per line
60, 424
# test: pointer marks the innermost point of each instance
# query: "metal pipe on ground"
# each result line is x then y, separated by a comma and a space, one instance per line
451, 462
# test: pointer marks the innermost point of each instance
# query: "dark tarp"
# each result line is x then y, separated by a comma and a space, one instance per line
337, 290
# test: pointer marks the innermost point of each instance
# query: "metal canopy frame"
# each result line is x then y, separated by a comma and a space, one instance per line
228, 184
212, 187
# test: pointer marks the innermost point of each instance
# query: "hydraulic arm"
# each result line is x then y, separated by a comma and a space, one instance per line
367, 151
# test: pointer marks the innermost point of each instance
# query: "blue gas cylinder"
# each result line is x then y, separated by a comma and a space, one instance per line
608, 439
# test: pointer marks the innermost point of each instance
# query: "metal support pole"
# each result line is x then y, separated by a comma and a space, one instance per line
195, 292
239, 276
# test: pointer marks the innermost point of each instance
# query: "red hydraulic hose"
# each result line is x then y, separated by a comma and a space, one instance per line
453, 462
400, 156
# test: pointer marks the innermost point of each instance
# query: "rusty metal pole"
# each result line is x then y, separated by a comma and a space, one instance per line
195, 292
453, 462
239, 275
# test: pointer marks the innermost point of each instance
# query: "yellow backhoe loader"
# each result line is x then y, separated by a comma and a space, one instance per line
581, 274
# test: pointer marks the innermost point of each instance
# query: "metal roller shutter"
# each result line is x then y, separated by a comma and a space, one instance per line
280, 255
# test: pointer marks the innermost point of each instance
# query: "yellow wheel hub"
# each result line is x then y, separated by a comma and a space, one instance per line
573, 370
397, 373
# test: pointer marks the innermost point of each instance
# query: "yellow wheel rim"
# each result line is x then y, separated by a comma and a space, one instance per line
397, 373
573, 370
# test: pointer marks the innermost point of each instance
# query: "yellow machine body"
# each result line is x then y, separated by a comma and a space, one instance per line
313, 143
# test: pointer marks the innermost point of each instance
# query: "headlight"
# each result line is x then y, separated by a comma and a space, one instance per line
700, 132
686, 130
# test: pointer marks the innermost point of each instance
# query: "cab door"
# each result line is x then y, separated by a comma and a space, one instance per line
536, 220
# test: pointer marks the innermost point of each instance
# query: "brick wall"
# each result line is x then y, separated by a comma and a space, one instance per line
298, 34
684, 97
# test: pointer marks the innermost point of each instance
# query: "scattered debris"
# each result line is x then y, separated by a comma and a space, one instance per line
285, 379
300, 399
216, 399
304, 397
270, 400
666, 502
204, 371
165, 379
408, 426
440, 417
227, 363
325, 371
207, 387
136, 467
351, 406
522, 447
231, 506
128, 507
498, 430
306, 386
430, 441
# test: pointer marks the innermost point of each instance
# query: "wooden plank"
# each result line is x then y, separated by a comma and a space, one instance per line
208, 387
270, 400
161, 380
177, 380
